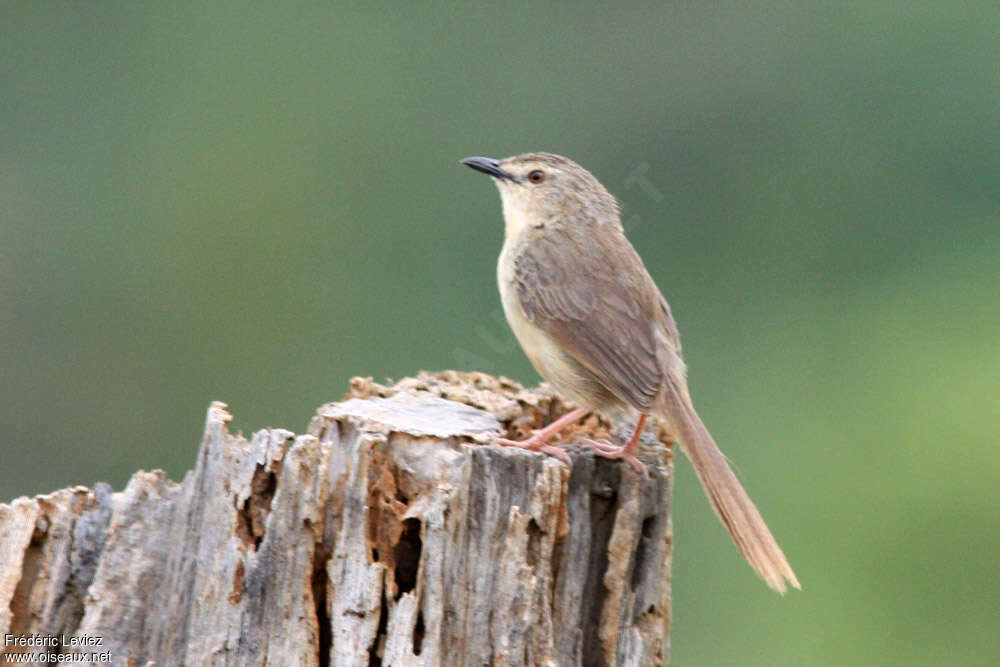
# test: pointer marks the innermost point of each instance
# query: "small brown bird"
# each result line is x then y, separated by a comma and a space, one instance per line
593, 323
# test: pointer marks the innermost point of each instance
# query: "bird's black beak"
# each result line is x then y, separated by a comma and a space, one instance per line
488, 165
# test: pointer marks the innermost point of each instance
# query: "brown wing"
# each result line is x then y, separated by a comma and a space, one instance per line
596, 299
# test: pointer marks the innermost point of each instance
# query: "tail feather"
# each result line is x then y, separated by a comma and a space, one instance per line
725, 493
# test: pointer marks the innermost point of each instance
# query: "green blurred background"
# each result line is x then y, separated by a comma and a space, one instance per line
253, 204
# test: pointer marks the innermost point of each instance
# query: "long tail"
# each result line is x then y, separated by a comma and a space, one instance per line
730, 502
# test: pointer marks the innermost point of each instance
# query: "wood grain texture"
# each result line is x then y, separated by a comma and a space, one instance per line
391, 533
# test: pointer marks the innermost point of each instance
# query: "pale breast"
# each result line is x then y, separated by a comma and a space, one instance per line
568, 377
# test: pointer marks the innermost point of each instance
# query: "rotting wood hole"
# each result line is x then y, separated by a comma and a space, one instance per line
642, 551
603, 511
532, 554
387, 505
320, 583
418, 632
378, 644
406, 556
251, 521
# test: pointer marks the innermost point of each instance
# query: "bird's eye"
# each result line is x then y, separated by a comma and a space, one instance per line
537, 176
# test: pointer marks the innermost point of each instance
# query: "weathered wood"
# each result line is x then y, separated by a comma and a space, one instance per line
390, 533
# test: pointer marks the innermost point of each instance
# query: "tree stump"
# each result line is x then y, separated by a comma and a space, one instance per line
391, 533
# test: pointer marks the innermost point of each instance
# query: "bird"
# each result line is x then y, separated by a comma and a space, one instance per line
593, 323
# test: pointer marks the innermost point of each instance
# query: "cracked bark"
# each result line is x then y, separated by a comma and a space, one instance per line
391, 533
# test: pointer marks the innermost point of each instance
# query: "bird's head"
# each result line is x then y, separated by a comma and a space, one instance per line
539, 189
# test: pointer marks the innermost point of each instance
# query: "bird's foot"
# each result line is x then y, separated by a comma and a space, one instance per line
538, 443
625, 453
539, 440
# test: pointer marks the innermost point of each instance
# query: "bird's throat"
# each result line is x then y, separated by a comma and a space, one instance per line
516, 217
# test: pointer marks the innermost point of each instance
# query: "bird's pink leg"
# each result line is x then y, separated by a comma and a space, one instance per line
626, 452
539, 440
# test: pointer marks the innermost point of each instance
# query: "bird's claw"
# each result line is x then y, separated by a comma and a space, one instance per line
607, 450
536, 444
